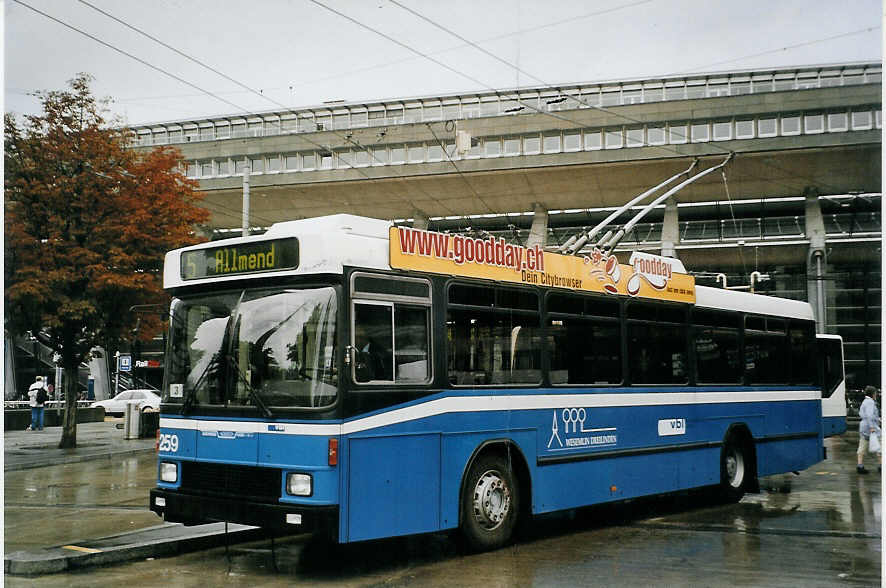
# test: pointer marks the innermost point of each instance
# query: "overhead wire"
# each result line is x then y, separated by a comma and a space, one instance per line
347, 137
127, 54
458, 171
426, 56
217, 206
400, 61
467, 76
235, 213
447, 67
421, 54
778, 50
544, 83
240, 109
173, 49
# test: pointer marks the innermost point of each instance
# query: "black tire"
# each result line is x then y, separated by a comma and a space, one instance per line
736, 470
490, 503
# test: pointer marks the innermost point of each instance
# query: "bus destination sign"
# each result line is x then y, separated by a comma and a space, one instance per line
242, 258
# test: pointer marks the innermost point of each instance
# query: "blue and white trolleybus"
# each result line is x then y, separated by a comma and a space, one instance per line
346, 376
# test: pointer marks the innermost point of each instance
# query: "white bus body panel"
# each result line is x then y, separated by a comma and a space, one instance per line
718, 298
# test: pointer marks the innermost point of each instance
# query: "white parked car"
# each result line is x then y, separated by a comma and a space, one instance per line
147, 401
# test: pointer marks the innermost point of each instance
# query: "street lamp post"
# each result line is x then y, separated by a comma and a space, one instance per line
246, 200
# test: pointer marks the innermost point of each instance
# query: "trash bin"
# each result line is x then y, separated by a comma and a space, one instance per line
132, 420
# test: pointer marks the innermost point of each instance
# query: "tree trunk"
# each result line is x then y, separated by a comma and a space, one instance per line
69, 421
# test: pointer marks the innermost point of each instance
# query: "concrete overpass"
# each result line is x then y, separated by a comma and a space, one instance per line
573, 158
540, 163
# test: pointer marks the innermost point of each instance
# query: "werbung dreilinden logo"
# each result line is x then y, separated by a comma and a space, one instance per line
575, 434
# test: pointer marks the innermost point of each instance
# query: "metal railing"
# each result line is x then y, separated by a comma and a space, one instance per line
46, 356
503, 103
53, 404
131, 382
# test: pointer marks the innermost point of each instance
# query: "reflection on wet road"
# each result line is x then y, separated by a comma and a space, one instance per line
821, 528
45, 506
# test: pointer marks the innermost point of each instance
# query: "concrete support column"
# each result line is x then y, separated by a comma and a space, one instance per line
538, 233
816, 260
98, 371
670, 229
419, 220
9, 390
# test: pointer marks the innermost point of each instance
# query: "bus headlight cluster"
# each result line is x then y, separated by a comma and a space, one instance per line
299, 484
168, 472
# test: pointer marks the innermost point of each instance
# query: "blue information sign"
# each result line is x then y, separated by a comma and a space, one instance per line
125, 363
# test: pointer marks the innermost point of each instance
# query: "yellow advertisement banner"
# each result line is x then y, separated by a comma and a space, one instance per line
646, 276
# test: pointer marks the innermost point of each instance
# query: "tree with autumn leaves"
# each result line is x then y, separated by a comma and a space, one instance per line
87, 222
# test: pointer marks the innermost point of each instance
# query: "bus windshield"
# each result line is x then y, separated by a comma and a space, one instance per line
264, 348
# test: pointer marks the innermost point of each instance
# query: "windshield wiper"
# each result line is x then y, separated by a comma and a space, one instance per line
259, 402
191, 393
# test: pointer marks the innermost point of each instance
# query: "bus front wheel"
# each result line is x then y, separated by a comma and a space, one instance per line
490, 503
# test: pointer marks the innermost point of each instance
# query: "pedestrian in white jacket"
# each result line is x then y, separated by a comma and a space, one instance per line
869, 425
36, 398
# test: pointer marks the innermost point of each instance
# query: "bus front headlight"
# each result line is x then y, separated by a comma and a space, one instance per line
299, 484
168, 472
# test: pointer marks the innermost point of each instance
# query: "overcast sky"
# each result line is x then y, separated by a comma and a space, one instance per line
298, 53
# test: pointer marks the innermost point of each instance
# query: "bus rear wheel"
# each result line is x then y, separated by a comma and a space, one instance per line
490, 503
735, 470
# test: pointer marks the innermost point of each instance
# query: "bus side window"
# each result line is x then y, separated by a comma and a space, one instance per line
411, 344
584, 339
391, 329
766, 351
493, 336
802, 350
373, 342
657, 343
716, 337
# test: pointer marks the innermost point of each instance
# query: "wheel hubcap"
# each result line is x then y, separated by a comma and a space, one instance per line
492, 500
735, 468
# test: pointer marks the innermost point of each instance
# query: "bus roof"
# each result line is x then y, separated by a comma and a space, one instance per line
720, 299
327, 244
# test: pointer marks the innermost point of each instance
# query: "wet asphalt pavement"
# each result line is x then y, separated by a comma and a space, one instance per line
822, 528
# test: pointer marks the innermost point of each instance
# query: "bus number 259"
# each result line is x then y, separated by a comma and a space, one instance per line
168, 443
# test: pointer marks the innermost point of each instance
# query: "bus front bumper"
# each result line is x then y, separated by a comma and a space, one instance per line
190, 509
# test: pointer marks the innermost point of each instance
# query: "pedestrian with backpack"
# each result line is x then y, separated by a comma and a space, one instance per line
37, 397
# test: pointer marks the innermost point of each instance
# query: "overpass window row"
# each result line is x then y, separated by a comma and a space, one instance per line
523, 102
852, 224
547, 142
